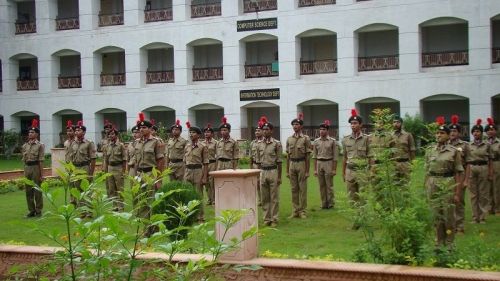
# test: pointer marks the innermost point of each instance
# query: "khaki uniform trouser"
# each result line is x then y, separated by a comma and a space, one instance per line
298, 182
256, 166
403, 171
270, 195
479, 188
352, 185
178, 170
325, 178
209, 186
224, 165
440, 191
145, 198
194, 176
77, 186
34, 197
460, 211
495, 187
114, 185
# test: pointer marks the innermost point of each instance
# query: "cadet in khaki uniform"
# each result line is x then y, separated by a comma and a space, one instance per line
325, 155
149, 154
70, 137
33, 155
356, 149
83, 154
254, 159
463, 148
479, 171
269, 153
114, 155
211, 145
136, 134
104, 141
175, 153
443, 182
491, 132
227, 151
298, 149
404, 149
196, 159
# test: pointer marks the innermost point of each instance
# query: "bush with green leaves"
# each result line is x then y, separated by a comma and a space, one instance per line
11, 139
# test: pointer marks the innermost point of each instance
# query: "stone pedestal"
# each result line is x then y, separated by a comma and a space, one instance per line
57, 157
237, 189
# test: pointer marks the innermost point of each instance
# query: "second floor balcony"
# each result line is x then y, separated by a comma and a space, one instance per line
259, 70
160, 76
448, 58
207, 73
25, 27
206, 10
162, 14
110, 19
318, 66
27, 84
112, 79
69, 82
308, 3
496, 55
378, 63
67, 23
250, 6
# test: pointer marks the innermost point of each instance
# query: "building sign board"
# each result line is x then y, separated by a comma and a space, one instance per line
260, 94
257, 24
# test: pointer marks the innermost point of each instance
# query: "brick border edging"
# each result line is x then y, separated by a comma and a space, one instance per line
277, 269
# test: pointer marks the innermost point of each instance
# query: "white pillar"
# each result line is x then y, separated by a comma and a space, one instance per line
133, 68
132, 12
181, 10
88, 14
90, 74
480, 46
287, 58
347, 49
409, 49
181, 65
46, 76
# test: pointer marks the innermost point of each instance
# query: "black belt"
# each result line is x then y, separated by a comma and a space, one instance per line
212, 161
478, 163
402, 160
175, 160
116, 163
145, 170
194, 166
321, 159
224, 159
443, 175
267, 168
31, 163
81, 164
297, 159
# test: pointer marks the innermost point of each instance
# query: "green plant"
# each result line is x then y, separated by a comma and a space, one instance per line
125, 136
11, 142
417, 127
244, 161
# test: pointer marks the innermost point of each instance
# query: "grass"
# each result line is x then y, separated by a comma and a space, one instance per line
15, 163
323, 233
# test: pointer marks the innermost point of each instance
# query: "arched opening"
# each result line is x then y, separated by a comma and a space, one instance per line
251, 113
378, 47
202, 114
316, 112
318, 51
365, 108
59, 121
446, 105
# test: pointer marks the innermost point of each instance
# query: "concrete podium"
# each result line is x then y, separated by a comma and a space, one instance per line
57, 157
237, 189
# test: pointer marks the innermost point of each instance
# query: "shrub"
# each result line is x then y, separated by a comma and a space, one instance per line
244, 161
11, 142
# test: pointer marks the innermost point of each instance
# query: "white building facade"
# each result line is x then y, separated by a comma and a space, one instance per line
200, 60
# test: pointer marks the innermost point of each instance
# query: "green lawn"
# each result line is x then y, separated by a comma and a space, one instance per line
324, 232
15, 163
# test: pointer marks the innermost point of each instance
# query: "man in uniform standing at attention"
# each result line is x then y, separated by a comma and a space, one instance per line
70, 137
227, 151
211, 145
325, 155
254, 159
404, 151
136, 135
175, 153
463, 148
356, 151
443, 183
104, 141
298, 149
196, 159
83, 155
269, 153
33, 155
114, 163
491, 132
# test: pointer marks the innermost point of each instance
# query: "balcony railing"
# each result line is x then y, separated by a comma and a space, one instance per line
496, 55
207, 73
110, 19
205, 10
250, 6
27, 84
69, 82
158, 15
378, 63
259, 70
162, 76
114, 79
318, 66
445, 58
308, 3
25, 27
68, 23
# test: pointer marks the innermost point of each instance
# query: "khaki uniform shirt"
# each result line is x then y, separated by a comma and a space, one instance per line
82, 151
195, 153
463, 148
211, 147
33, 151
131, 152
325, 149
269, 152
147, 151
479, 152
253, 150
379, 142
175, 148
298, 146
355, 148
403, 144
103, 143
67, 150
114, 153
495, 149
443, 160
227, 149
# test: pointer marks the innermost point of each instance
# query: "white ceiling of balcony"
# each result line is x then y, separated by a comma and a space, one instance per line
23, 56
442, 21
376, 27
109, 49
204, 41
444, 97
259, 37
316, 32
66, 52
67, 112
317, 102
110, 110
24, 114
377, 100
157, 45
259, 104
205, 106
158, 108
